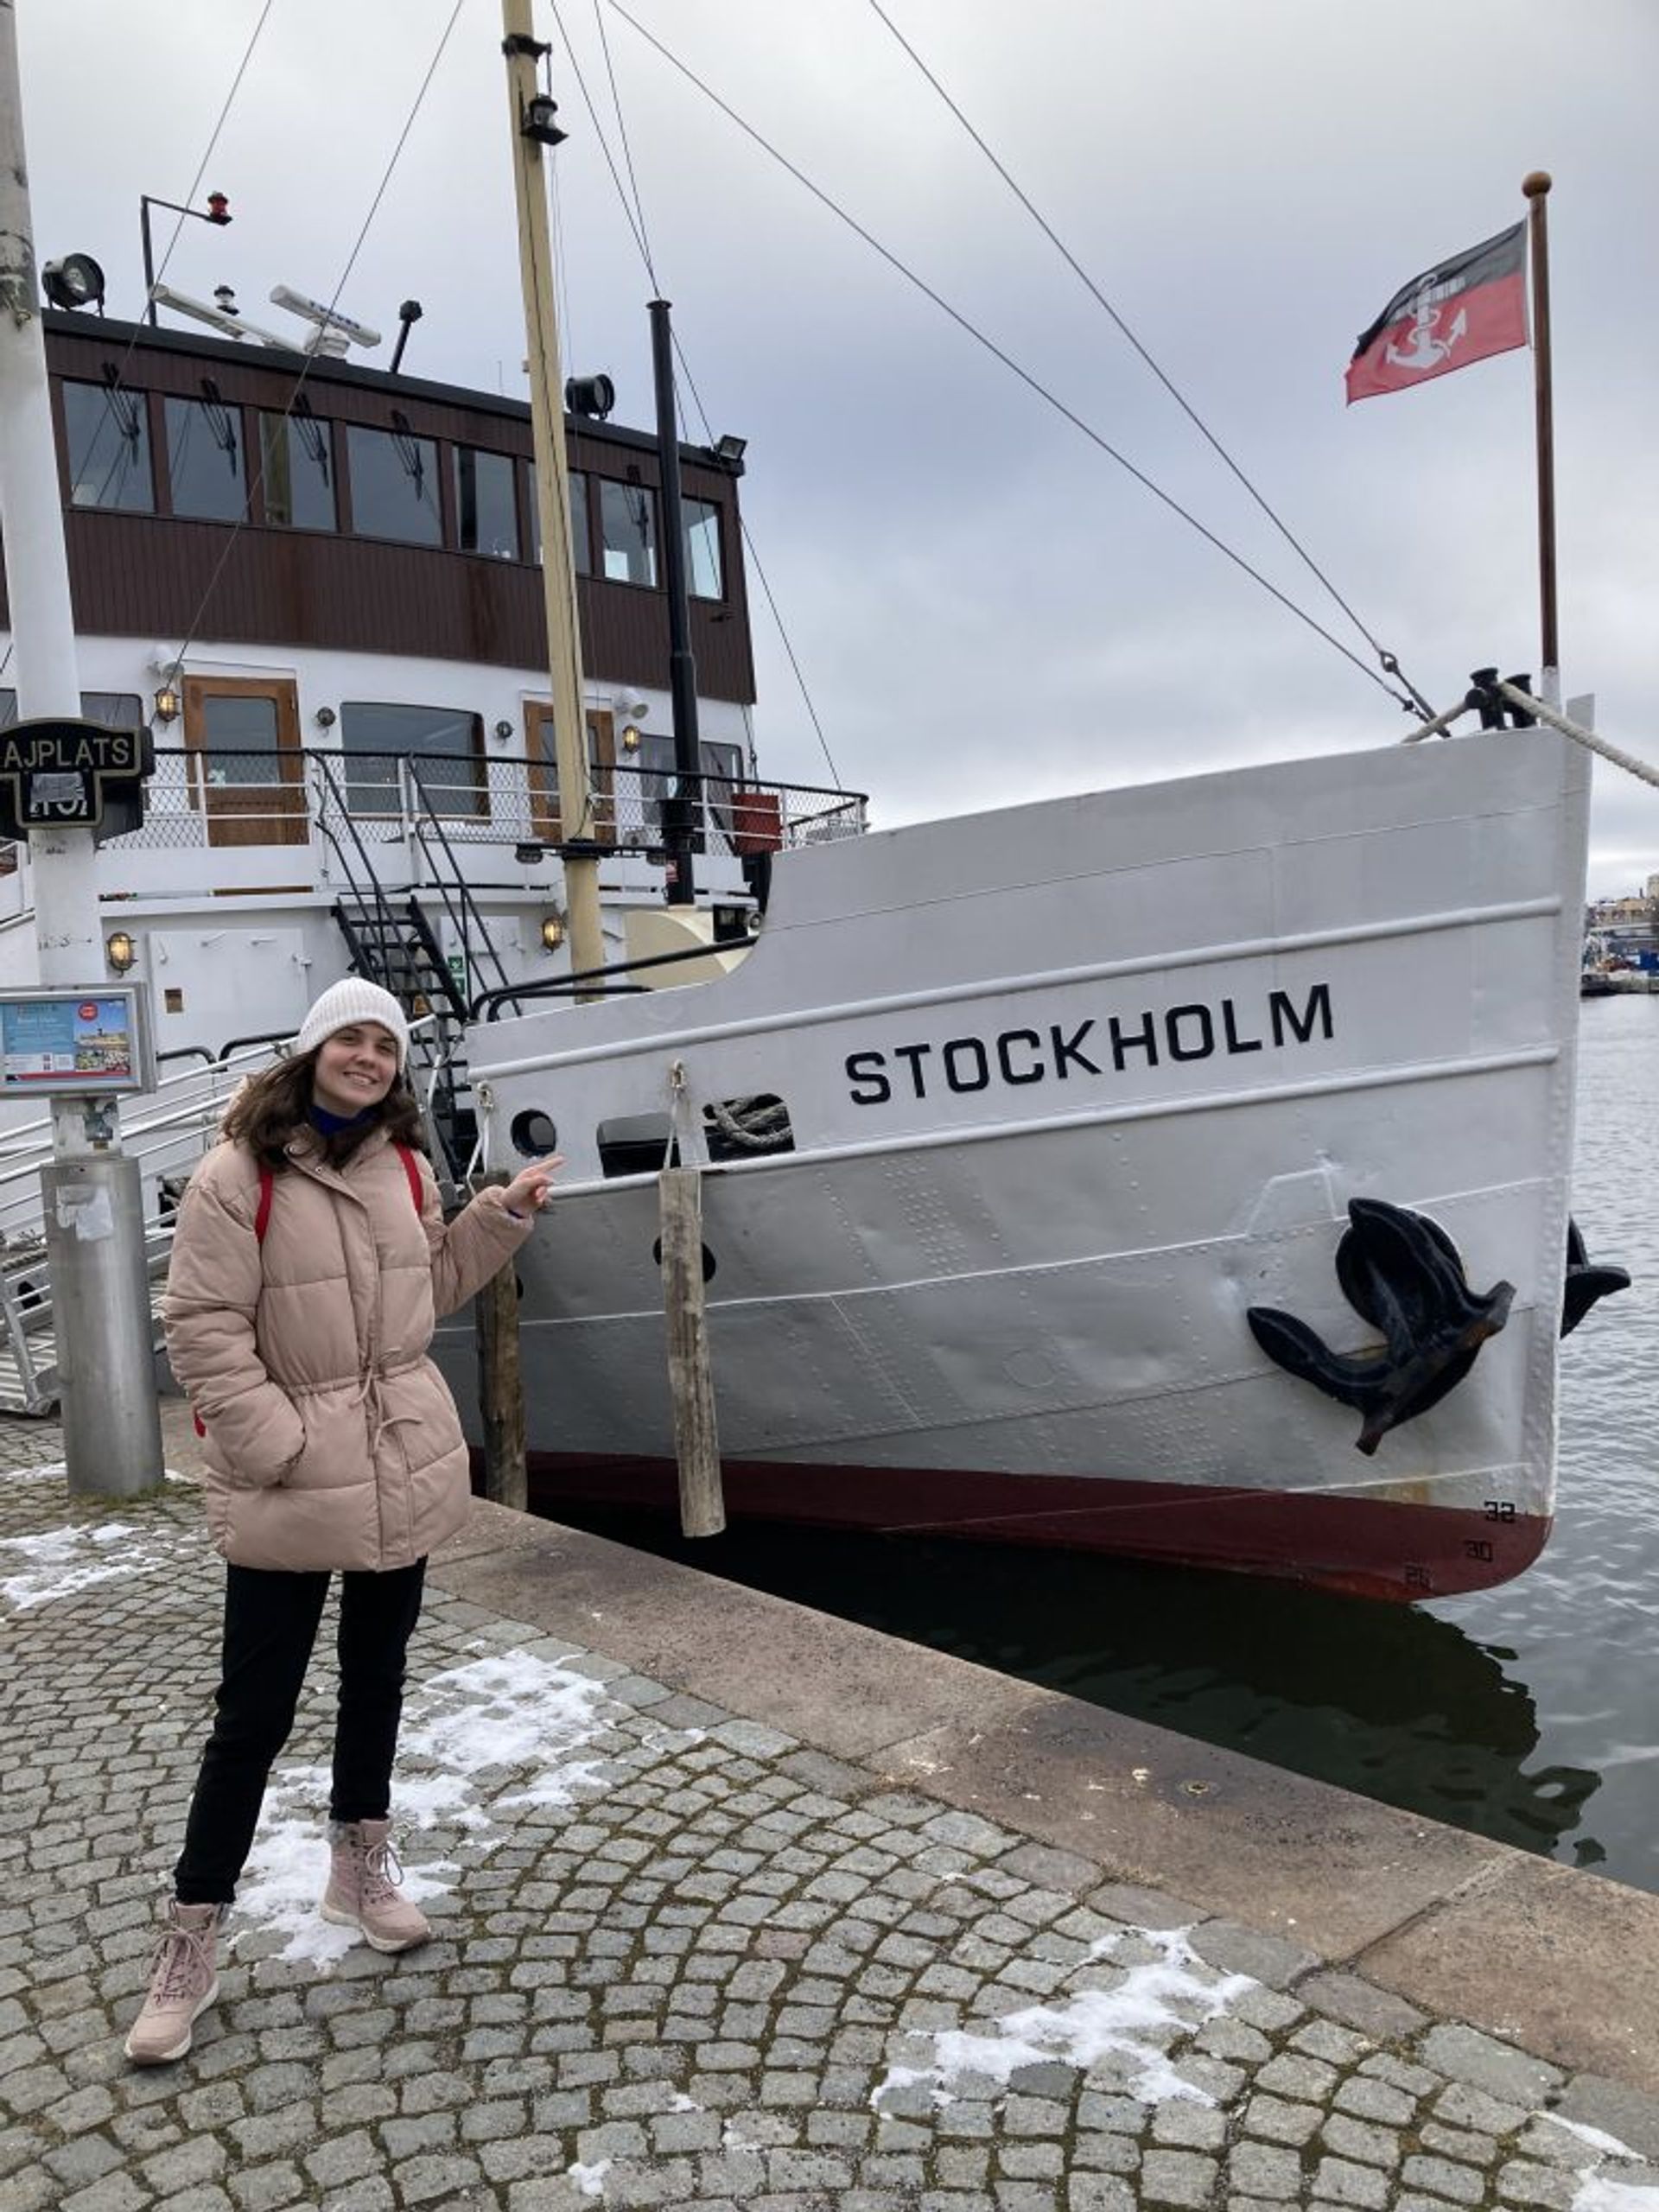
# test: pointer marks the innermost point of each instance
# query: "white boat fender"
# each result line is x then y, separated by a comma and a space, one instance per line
1400, 1272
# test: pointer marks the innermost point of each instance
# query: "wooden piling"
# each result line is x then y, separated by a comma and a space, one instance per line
690, 1379
500, 1386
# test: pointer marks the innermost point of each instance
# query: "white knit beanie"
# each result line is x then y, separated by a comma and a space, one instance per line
355, 999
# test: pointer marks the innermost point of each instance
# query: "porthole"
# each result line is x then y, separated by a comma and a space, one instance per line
533, 1134
709, 1262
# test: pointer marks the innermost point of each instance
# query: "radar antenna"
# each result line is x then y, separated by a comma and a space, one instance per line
335, 332
227, 319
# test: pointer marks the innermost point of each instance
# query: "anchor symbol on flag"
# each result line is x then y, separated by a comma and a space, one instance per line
1426, 351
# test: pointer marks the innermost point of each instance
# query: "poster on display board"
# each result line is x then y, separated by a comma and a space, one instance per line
58, 1043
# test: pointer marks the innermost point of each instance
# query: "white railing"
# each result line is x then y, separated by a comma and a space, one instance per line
166, 1131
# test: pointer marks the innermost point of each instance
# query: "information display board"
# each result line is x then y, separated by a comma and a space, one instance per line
59, 1043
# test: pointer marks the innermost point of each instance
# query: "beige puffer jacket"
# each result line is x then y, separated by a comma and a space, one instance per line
332, 1441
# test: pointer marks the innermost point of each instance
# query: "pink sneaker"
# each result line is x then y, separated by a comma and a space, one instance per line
183, 1983
363, 1879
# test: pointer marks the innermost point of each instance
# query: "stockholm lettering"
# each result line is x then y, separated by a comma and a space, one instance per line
1066, 1053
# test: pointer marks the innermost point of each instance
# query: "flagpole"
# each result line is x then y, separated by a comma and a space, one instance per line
1536, 188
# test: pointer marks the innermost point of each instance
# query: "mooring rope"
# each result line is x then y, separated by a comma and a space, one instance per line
1540, 712
1586, 738
762, 1129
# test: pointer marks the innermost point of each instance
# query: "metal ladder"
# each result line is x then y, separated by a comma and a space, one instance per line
393, 942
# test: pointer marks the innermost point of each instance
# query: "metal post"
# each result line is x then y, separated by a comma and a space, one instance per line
684, 811
150, 264
111, 1423
100, 1311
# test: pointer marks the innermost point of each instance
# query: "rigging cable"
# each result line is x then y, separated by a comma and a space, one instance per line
1025, 375
643, 249
345, 277
1386, 659
201, 171
622, 131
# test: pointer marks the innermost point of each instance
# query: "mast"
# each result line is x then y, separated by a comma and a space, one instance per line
553, 497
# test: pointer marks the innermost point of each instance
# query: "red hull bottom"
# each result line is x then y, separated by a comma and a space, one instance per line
1362, 1547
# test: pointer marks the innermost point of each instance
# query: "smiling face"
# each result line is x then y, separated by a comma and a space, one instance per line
356, 1067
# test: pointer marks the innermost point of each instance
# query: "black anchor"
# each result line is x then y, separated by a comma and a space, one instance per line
1400, 1272
1584, 1283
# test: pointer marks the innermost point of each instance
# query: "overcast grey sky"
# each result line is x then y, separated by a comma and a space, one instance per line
984, 607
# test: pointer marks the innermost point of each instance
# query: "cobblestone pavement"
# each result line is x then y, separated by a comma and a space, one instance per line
679, 1960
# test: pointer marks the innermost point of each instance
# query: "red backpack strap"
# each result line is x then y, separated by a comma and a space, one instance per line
412, 1168
262, 1217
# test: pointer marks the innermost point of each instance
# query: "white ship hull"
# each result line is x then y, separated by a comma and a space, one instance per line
1071, 1088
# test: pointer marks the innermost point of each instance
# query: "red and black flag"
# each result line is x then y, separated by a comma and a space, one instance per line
1459, 311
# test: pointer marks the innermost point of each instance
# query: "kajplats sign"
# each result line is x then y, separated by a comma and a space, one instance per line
81, 775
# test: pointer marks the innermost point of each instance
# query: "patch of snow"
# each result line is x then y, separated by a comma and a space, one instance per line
590, 2180
281, 1885
1173, 1990
1597, 2194
508, 1709
1609, 2144
62, 1562
507, 1713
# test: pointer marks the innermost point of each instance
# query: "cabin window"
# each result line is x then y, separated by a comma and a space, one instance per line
204, 459
580, 544
115, 710
445, 745
722, 768
107, 435
627, 517
394, 486
704, 575
297, 454
486, 515
654, 763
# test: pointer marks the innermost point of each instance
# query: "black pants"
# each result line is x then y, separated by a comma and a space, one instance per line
270, 1624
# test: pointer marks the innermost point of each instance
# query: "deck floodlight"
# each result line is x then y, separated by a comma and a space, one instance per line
731, 448
594, 396
529, 852
218, 208
77, 281
536, 121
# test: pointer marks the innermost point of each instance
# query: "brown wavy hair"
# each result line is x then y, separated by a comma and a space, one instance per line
272, 1105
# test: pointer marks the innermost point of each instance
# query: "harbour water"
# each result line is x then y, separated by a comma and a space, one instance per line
1529, 1714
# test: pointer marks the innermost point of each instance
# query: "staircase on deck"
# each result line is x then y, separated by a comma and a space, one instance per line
393, 939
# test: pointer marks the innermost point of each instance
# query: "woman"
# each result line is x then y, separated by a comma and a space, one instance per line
310, 1263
